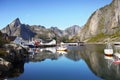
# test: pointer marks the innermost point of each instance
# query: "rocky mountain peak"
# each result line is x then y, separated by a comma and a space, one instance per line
75, 27
15, 23
54, 28
15, 28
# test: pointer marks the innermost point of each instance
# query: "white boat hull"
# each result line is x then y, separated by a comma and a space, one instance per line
108, 52
61, 49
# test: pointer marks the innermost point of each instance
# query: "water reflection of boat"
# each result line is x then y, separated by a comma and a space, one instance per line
33, 50
108, 57
109, 60
51, 49
30, 50
113, 59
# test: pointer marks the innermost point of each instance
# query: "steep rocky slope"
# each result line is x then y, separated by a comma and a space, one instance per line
103, 23
15, 28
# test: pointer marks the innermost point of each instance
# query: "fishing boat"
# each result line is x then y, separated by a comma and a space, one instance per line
117, 43
61, 52
30, 45
62, 47
116, 58
108, 50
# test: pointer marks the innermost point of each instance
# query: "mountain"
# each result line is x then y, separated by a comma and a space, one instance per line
72, 31
13, 28
16, 28
103, 23
57, 31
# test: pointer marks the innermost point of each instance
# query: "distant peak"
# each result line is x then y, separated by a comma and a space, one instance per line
17, 19
75, 26
54, 27
16, 22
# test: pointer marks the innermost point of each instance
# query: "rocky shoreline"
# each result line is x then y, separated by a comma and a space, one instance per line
14, 56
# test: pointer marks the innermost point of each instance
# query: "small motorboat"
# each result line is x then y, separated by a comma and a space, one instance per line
62, 47
108, 50
30, 44
116, 62
116, 58
61, 52
117, 43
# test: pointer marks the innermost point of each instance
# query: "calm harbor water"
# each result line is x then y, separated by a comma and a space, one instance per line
78, 63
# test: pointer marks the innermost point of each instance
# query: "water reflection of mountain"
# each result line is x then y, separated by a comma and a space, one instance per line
47, 53
94, 57
16, 70
98, 63
43, 55
74, 53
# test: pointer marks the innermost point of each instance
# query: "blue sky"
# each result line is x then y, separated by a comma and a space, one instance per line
56, 13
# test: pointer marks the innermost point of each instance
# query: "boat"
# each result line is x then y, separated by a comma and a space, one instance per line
116, 61
62, 47
30, 45
108, 50
116, 58
117, 43
108, 57
61, 52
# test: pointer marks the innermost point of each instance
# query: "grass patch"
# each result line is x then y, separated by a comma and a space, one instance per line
98, 37
116, 34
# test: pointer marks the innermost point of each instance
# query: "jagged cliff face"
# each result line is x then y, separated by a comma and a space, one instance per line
15, 28
105, 20
72, 31
57, 31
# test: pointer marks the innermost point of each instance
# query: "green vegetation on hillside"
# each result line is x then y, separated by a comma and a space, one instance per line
101, 37
116, 34
97, 38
